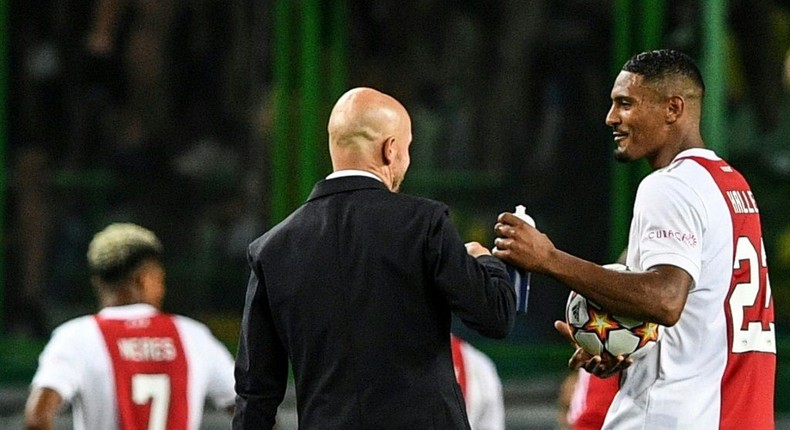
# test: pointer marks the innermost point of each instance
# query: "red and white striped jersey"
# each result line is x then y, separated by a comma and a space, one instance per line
480, 384
131, 367
714, 369
590, 400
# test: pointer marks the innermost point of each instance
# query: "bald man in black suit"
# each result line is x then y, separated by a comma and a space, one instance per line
357, 287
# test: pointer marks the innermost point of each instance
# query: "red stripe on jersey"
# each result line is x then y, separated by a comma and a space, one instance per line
150, 372
458, 363
598, 398
747, 386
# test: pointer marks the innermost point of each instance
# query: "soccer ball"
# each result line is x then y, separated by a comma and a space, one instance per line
598, 332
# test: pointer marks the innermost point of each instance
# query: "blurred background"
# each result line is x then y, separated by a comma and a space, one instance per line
204, 120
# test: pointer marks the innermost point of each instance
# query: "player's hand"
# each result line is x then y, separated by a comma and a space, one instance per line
602, 367
608, 365
520, 244
475, 249
579, 357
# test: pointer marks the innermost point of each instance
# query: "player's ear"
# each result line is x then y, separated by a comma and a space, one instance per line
674, 109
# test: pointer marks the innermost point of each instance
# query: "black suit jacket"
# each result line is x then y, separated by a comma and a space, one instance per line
356, 288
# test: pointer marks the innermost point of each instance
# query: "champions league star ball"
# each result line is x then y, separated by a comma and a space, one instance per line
598, 332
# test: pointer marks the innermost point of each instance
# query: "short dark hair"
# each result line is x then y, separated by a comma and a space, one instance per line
662, 63
116, 252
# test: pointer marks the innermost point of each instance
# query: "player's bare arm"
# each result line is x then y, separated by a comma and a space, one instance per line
658, 294
41, 409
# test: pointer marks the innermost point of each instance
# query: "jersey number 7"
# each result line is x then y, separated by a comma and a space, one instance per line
156, 389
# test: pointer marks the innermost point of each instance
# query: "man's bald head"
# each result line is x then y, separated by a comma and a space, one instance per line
371, 131
364, 115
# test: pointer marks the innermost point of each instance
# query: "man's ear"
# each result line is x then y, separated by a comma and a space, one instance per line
388, 151
675, 108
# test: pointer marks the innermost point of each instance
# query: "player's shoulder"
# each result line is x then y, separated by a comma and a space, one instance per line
687, 166
679, 176
75, 325
198, 338
663, 190
191, 323
192, 328
74, 334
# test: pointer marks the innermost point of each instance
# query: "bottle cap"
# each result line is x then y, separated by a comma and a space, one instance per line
521, 212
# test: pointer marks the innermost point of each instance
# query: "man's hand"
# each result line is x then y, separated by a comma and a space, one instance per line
475, 249
602, 367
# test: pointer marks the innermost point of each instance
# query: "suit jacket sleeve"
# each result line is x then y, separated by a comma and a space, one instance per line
479, 290
262, 362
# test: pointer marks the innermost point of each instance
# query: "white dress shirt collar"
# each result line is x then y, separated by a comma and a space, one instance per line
352, 172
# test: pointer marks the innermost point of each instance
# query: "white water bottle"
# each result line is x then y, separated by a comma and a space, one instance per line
519, 277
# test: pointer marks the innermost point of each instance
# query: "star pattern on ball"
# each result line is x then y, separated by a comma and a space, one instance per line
647, 332
600, 322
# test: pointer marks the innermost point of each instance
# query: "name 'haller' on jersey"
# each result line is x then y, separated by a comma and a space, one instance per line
743, 201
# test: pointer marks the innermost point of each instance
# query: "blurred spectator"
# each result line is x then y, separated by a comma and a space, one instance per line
117, 109
757, 38
787, 70
28, 242
756, 72
146, 61
35, 93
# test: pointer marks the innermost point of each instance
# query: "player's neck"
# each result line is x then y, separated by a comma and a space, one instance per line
118, 298
676, 145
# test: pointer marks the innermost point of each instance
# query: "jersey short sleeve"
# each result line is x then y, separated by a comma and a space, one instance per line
668, 224
62, 363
